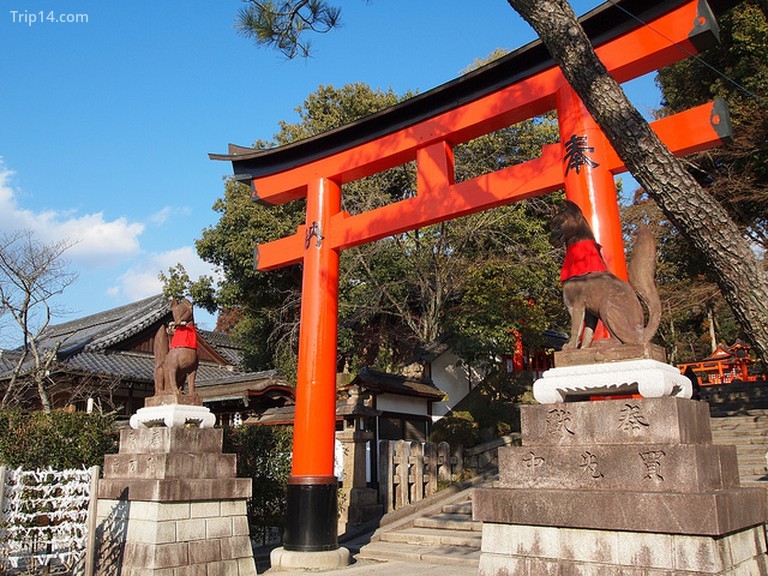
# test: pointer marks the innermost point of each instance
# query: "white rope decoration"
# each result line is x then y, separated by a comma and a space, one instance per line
44, 517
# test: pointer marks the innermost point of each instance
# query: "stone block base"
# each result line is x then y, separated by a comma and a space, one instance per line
524, 550
710, 513
281, 558
360, 506
206, 538
600, 354
174, 398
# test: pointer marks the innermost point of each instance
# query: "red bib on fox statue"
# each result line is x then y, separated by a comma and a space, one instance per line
184, 337
582, 257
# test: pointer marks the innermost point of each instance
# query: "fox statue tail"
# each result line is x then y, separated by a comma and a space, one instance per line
161, 346
642, 269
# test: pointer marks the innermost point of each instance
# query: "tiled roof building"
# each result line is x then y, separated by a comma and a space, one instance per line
109, 357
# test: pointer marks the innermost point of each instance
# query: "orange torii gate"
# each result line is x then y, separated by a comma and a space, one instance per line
425, 128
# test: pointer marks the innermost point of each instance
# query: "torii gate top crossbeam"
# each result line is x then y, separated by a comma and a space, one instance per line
604, 23
425, 128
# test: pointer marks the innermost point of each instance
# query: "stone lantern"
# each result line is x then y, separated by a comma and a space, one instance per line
358, 502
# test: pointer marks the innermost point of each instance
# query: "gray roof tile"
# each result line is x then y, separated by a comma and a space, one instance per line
90, 344
99, 331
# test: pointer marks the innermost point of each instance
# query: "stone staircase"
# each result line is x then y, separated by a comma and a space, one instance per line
740, 418
439, 531
749, 433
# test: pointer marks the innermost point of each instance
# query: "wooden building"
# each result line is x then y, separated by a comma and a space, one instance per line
725, 365
106, 360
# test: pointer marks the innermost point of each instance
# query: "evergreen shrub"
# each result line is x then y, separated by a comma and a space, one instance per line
263, 454
59, 440
456, 428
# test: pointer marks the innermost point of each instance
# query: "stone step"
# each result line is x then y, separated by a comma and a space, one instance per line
751, 451
448, 522
748, 471
738, 438
750, 422
735, 438
757, 431
747, 454
383, 551
460, 508
741, 409
752, 462
756, 481
750, 468
750, 454
756, 428
433, 537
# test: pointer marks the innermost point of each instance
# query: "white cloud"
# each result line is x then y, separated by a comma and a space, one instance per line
140, 280
97, 242
161, 217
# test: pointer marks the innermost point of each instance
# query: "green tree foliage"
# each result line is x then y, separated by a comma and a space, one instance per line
458, 428
736, 174
280, 24
509, 293
270, 302
738, 271
696, 317
177, 284
60, 440
264, 455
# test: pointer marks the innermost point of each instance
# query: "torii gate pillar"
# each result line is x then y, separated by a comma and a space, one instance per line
312, 487
588, 181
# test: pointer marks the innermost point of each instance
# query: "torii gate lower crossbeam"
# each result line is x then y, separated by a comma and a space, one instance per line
583, 163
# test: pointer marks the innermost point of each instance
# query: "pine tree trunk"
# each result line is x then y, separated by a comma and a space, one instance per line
687, 205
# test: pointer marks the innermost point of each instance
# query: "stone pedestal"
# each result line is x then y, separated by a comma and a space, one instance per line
173, 415
647, 377
630, 487
173, 409
170, 504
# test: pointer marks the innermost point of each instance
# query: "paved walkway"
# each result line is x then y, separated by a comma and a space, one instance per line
392, 568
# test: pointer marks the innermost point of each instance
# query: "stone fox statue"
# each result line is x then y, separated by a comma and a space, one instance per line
592, 293
178, 362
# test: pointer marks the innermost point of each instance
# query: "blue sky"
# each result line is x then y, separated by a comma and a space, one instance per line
105, 125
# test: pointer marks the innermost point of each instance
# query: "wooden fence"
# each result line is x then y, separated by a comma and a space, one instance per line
411, 471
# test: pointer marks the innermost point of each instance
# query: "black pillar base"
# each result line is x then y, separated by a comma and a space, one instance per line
311, 514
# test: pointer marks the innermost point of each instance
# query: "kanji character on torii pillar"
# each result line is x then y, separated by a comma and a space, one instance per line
425, 128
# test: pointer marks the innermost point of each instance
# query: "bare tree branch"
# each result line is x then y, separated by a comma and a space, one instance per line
31, 274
